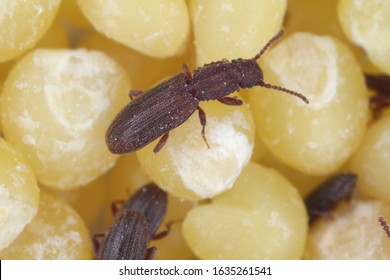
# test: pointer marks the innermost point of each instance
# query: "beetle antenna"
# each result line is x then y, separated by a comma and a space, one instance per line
270, 42
385, 225
299, 95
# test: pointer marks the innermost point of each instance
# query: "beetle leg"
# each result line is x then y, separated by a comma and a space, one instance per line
187, 71
96, 242
163, 233
166, 231
202, 118
134, 93
116, 205
233, 101
150, 252
161, 143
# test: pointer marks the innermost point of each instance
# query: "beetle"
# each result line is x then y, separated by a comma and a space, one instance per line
380, 84
169, 104
134, 226
328, 195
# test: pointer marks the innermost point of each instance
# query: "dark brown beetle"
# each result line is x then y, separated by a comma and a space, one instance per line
134, 225
381, 84
169, 104
328, 195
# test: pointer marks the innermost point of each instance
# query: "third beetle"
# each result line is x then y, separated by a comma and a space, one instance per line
169, 104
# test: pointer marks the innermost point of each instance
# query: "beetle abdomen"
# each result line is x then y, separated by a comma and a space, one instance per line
150, 116
214, 80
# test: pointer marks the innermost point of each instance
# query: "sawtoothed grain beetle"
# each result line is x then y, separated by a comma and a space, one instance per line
159, 110
134, 226
328, 195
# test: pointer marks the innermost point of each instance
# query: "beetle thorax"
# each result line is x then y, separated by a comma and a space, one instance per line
248, 72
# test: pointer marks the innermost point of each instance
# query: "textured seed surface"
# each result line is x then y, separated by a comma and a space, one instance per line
87, 201
186, 168
371, 162
23, 23
319, 137
353, 232
56, 233
56, 107
304, 183
19, 194
55, 37
261, 217
366, 23
137, 64
156, 28
233, 28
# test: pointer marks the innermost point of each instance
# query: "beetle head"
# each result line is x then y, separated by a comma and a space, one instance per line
248, 72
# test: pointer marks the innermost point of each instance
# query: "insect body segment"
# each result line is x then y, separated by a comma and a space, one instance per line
171, 103
214, 81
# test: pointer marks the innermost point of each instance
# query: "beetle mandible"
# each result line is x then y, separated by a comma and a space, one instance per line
159, 110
